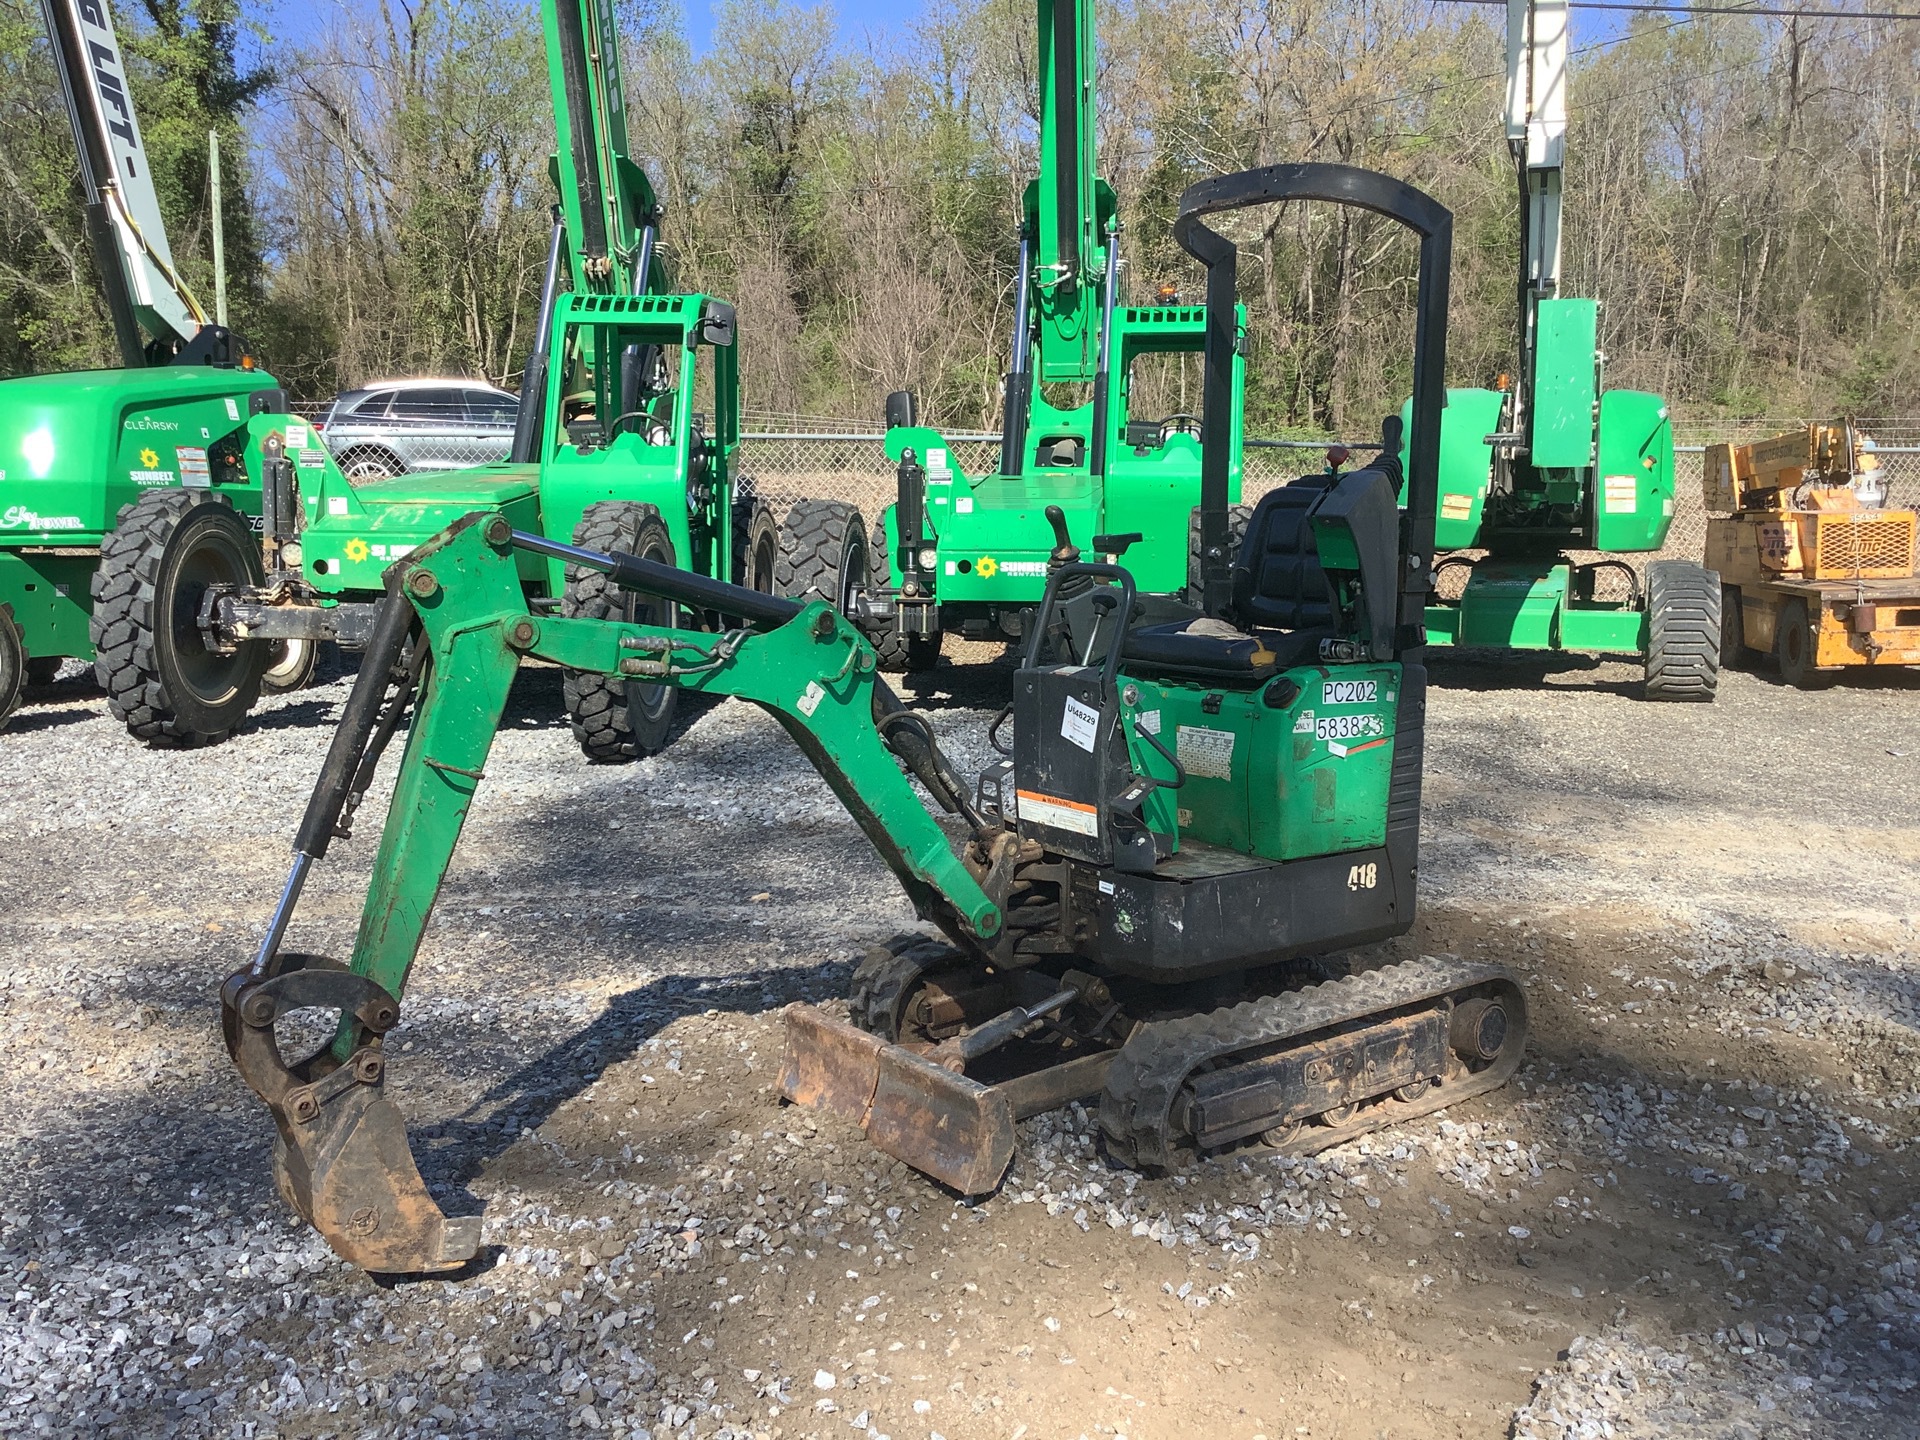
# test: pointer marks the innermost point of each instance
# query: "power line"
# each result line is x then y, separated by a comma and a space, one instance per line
1777, 12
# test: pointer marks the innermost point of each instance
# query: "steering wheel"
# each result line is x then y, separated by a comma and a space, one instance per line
1181, 424
653, 432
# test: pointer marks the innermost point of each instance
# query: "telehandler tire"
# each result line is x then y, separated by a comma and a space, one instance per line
13, 665
161, 680
823, 555
1683, 631
618, 720
290, 666
1237, 518
756, 545
900, 654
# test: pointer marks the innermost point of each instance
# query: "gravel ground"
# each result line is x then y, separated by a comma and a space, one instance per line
1695, 1212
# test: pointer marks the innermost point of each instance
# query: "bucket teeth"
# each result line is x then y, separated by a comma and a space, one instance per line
342, 1161
956, 1130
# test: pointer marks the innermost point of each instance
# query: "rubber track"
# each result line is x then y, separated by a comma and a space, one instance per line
812, 543
1137, 1106
597, 704
1683, 631
886, 975
124, 617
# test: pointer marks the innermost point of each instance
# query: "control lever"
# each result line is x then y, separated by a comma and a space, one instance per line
1116, 545
1065, 552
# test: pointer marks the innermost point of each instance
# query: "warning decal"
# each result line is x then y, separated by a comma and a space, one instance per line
1205, 752
1060, 814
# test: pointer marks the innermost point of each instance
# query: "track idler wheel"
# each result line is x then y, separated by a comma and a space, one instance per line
342, 1161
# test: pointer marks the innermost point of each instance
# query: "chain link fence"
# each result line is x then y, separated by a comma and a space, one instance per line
790, 464
795, 457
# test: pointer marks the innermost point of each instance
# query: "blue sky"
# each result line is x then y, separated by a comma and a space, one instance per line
858, 19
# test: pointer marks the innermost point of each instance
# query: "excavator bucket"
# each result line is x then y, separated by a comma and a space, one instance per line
342, 1160
956, 1130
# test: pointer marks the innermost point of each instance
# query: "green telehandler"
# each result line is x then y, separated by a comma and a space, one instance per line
608, 449
1553, 462
92, 460
1195, 802
970, 554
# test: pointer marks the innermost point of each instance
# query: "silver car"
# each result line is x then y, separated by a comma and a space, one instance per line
392, 427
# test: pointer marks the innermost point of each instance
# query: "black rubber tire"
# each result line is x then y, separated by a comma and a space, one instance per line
823, 554
161, 680
618, 720
899, 654
1793, 648
1733, 631
1683, 631
1237, 518
44, 669
13, 665
371, 462
756, 545
290, 666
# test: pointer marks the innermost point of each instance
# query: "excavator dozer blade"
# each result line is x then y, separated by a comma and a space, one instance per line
342, 1161
956, 1130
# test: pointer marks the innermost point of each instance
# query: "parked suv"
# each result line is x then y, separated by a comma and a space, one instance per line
392, 427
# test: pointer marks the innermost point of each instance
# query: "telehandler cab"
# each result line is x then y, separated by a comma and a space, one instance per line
1196, 802
1093, 422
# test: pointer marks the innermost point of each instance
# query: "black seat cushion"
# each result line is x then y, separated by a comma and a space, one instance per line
1213, 652
1277, 580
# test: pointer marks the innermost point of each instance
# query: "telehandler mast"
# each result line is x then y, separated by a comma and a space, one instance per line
1553, 463
608, 447
1194, 805
77, 449
970, 554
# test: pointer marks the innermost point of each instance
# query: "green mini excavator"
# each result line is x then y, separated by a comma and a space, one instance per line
970, 554
1553, 463
1195, 804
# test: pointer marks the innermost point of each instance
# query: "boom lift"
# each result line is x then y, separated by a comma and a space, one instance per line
1552, 462
1194, 804
971, 554
609, 448
77, 449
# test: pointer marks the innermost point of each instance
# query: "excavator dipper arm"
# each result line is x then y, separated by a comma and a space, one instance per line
342, 1160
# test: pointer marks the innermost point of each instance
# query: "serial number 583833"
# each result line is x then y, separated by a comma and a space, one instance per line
1347, 727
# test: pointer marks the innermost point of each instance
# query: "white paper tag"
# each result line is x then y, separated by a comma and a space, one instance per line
296, 437
1303, 723
336, 505
1067, 815
810, 698
1150, 721
1079, 724
1205, 752
1622, 494
963, 507
233, 408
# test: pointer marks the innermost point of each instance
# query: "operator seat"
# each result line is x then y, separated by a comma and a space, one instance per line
1282, 605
